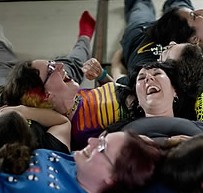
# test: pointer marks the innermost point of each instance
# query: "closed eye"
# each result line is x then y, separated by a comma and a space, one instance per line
157, 73
141, 78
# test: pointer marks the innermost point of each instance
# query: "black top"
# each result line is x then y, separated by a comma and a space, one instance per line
165, 126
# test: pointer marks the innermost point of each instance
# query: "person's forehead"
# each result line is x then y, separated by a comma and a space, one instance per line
114, 141
178, 47
114, 136
153, 69
185, 12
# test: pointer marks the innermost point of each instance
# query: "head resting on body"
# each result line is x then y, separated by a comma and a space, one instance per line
109, 154
183, 166
16, 144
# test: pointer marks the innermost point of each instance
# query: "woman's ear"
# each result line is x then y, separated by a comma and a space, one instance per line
194, 40
175, 94
109, 180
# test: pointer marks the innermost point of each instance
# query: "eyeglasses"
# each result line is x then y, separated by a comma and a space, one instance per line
168, 47
159, 49
194, 15
102, 145
50, 69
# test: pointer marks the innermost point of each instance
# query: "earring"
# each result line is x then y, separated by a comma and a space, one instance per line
139, 108
175, 99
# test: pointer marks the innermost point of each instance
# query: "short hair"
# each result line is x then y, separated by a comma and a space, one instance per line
135, 165
22, 79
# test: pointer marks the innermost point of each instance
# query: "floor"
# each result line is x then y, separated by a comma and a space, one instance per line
45, 29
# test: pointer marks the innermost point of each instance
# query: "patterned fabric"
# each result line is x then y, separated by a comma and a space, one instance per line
199, 108
52, 172
49, 172
97, 109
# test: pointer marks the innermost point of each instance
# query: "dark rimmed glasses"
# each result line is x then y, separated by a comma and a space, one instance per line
102, 145
50, 69
194, 15
159, 49
171, 44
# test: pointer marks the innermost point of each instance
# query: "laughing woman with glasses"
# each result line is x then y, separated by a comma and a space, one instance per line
72, 64
115, 162
47, 85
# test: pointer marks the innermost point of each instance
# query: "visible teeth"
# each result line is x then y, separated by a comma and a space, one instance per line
85, 153
152, 89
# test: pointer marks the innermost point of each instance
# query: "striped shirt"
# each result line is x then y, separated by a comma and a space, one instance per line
97, 109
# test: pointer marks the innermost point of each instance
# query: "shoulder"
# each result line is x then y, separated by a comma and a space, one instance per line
164, 126
48, 172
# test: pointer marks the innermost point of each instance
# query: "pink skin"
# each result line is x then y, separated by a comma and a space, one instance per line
195, 19
61, 94
155, 92
90, 162
173, 51
92, 69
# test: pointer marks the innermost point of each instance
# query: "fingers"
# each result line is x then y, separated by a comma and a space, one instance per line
180, 137
92, 69
6, 108
175, 140
145, 138
2, 107
93, 65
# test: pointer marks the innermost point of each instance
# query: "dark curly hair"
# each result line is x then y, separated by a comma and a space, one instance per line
16, 143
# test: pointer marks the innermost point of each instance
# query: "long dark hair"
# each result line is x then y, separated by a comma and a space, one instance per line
171, 27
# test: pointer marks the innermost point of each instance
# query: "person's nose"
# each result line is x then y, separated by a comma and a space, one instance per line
149, 77
93, 142
172, 43
59, 65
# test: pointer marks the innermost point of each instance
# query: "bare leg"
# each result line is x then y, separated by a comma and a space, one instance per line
117, 68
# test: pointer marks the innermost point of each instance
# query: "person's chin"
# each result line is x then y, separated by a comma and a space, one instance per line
79, 157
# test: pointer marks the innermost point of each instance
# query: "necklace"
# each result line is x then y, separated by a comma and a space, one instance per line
74, 107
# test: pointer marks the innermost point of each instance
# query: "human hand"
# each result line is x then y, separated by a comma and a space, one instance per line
146, 138
175, 140
92, 69
19, 109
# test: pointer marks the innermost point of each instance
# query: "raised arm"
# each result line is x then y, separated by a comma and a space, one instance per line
59, 125
45, 117
93, 70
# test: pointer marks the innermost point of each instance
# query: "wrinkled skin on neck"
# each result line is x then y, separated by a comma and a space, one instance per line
61, 94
